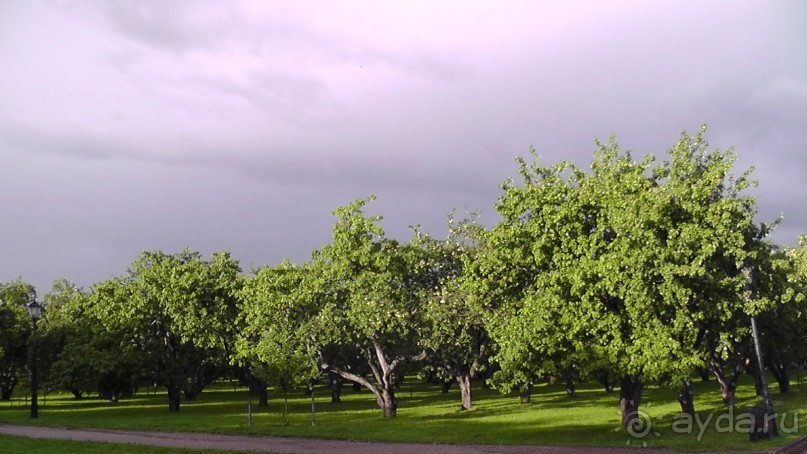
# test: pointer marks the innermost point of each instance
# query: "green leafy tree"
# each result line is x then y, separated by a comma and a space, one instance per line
784, 327
180, 310
276, 314
15, 332
453, 333
370, 296
630, 264
88, 354
62, 324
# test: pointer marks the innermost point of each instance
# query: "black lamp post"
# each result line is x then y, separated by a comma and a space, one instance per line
34, 311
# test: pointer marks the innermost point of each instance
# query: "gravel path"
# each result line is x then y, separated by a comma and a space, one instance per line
292, 445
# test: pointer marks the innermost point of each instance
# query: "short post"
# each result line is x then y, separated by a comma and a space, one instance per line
249, 414
313, 414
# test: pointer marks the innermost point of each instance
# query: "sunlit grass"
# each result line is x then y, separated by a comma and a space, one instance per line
426, 415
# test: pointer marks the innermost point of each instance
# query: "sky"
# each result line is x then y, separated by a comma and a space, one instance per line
240, 125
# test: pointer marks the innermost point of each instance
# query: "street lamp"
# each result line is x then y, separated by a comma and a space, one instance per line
34, 311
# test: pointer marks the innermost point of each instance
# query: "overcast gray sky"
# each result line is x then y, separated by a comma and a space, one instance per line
129, 126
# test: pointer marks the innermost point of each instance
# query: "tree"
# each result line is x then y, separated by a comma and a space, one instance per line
630, 266
453, 332
180, 310
66, 348
370, 296
15, 331
102, 351
784, 327
276, 315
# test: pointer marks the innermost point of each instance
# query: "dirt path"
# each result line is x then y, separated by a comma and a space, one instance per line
290, 445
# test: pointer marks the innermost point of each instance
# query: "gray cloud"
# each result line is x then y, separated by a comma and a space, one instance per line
216, 126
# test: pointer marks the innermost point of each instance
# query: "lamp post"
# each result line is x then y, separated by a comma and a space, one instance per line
768, 427
34, 311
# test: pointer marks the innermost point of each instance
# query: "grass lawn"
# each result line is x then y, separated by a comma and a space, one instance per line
428, 416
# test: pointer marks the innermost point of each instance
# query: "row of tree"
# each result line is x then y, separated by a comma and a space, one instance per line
635, 272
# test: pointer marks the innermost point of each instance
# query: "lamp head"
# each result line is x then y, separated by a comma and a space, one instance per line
33, 307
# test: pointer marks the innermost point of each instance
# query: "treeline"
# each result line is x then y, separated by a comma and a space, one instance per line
633, 272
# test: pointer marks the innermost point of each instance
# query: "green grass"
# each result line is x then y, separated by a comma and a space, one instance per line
10, 443
428, 416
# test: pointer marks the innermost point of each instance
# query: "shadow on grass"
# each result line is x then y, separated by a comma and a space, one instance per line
425, 415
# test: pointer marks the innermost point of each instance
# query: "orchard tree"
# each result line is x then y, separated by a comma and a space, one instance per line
15, 332
634, 263
102, 352
180, 310
784, 326
370, 296
453, 332
276, 340
66, 341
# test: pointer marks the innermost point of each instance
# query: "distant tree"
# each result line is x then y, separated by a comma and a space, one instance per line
100, 354
15, 332
180, 310
66, 341
276, 315
453, 332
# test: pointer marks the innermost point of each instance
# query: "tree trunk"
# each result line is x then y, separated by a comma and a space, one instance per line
781, 372
568, 375
685, 399
383, 372
465, 391
727, 390
263, 396
526, 394
728, 383
630, 395
285, 407
335, 382
389, 407
704, 373
190, 394
784, 384
757, 379
356, 386
607, 383
173, 398
7, 386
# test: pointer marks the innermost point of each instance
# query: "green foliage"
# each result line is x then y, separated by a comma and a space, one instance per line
15, 332
626, 267
276, 315
180, 310
83, 353
644, 269
453, 331
369, 296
